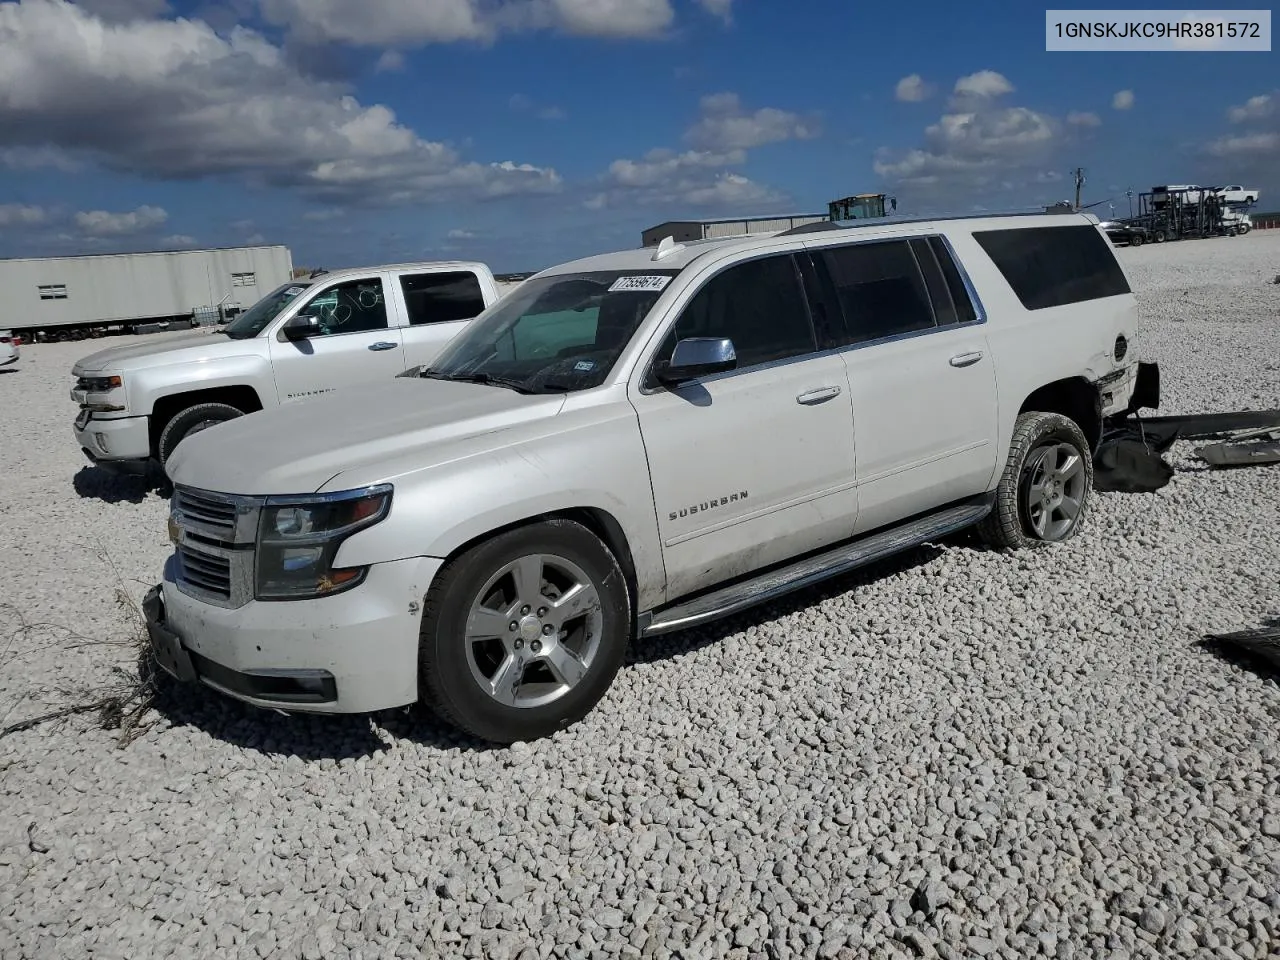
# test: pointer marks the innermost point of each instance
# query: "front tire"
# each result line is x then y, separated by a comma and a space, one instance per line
192, 420
1043, 494
523, 634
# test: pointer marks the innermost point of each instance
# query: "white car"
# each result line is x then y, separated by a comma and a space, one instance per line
8, 349
641, 442
1238, 194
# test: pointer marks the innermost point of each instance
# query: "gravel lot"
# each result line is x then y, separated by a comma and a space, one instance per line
957, 754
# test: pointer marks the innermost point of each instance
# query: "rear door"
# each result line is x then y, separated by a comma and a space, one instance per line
437, 305
358, 342
921, 375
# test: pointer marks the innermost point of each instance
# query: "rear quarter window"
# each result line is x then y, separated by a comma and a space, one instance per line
1055, 266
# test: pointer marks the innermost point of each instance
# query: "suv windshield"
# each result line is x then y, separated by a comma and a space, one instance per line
254, 320
554, 334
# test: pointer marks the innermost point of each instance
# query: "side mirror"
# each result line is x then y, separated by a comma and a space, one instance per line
696, 357
301, 327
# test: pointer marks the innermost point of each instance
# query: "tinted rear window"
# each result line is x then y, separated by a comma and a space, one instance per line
1055, 266
442, 297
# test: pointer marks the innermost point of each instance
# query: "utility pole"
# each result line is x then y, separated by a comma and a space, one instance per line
1079, 175
1129, 193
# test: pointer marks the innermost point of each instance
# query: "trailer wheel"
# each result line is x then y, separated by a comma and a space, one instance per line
192, 420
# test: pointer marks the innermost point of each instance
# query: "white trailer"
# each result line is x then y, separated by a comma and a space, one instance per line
73, 297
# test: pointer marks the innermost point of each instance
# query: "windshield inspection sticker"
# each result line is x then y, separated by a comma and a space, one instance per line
584, 365
640, 283
294, 291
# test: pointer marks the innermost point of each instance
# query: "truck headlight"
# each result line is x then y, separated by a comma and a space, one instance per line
99, 384
299, 537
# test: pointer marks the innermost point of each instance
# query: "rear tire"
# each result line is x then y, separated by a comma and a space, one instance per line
192, 420
1043, 494
498, 659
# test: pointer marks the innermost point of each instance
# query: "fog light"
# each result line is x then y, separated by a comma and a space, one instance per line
100, 439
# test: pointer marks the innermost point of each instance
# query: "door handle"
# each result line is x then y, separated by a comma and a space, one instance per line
383, 345
966, 359
818, 396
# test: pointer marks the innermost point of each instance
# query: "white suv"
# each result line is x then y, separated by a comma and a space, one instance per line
640, 442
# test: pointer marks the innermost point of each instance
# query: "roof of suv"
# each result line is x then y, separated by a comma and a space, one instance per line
684, 253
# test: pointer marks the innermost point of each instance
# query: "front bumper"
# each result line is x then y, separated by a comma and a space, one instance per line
355, 652
123, 443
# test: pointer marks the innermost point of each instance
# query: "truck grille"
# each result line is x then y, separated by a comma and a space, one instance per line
215, 515
214, 535
206, 572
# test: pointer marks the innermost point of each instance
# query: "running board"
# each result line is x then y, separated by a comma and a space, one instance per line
814, 569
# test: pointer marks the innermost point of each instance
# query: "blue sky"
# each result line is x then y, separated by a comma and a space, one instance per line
525, 132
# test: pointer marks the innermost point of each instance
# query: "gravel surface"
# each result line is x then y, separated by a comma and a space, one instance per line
957, 754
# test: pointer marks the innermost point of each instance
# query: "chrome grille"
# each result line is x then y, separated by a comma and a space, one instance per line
215, 535
214, 515
206, 572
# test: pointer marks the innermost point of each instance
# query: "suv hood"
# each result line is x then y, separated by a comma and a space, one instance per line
151, 353
298, 448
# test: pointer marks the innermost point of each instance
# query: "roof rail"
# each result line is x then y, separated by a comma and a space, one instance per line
821, 226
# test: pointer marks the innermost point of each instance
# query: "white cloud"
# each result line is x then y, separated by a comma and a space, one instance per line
409, 23
1079, 119
101, 223
719, 8
1123, 100
724, 125
912, 89
523, 104
124, 11
21, 215
320, 216
695, 178
38, 158
979, 149
1249, 144
391, 61
460, 235
984, 83
1255, 108
178, 240
256, 240
175, 99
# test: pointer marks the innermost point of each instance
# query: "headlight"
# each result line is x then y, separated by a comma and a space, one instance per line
299, 537
99, 384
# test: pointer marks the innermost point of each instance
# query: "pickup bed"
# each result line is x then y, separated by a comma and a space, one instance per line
305, 339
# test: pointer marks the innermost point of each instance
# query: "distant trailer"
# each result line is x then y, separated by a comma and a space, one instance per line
59, 298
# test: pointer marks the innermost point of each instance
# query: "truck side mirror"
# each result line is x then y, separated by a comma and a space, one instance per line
301, 327
696, 357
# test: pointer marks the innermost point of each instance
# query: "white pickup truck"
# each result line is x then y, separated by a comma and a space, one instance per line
306, 338
1236, 194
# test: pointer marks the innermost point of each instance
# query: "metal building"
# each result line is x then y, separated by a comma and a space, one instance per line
683, 230
129, 288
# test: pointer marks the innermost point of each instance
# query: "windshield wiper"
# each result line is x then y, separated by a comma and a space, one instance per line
487, 379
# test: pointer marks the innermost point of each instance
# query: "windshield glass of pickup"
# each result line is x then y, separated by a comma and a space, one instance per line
554, 334
254, 320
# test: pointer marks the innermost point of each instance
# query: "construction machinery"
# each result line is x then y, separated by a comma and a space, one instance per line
862, 206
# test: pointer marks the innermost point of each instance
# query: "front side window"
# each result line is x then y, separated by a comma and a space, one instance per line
759, 305
254, 320
442, 297
880, 288
352, 307
558, 333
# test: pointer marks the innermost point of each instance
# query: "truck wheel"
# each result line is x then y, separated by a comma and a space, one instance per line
523, 634
1135, 241
1043, 494
192, 420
